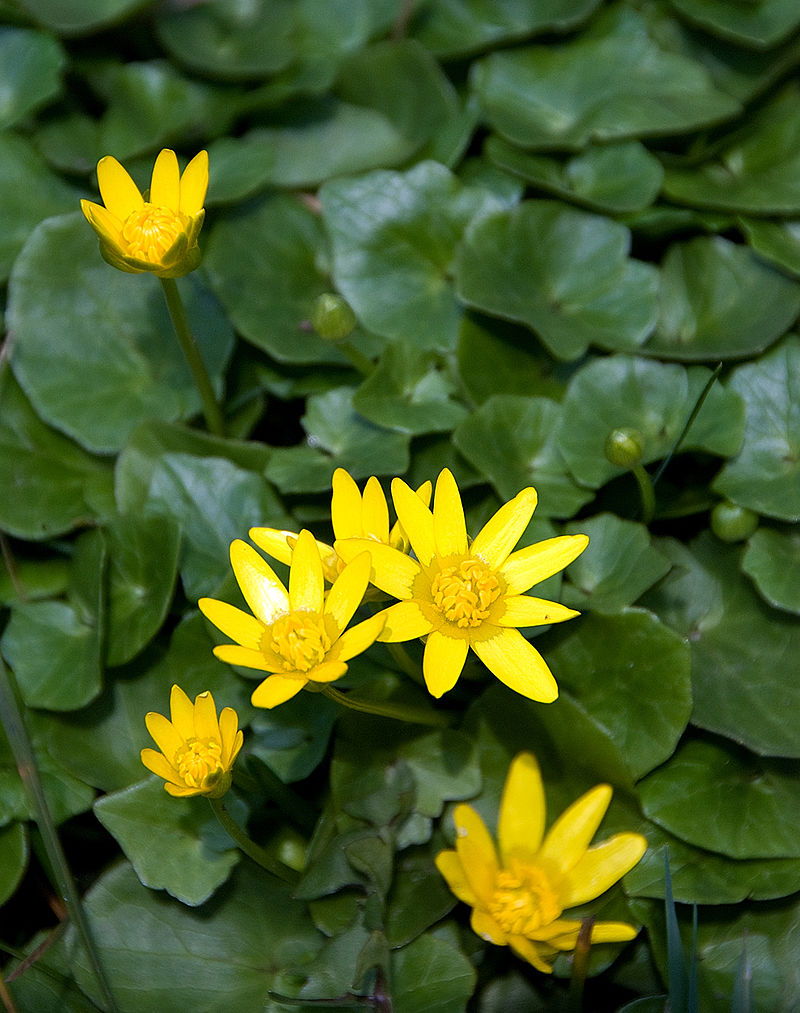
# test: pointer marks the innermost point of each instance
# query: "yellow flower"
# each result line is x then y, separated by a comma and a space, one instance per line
352, 516
518, 896
298, 635
197, 750
461, 593
157, 234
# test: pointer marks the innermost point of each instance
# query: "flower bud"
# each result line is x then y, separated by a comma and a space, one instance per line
624, 447
332, 318
732, 523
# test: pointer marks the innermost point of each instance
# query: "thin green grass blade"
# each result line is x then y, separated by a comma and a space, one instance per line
676, 968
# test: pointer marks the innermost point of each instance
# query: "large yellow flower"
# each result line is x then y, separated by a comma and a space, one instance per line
156, 235
461, 593
299, 635
197, 749
519, 895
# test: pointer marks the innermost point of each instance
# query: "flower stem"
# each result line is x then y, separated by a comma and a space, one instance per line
405, 662
248, 846
646, 492
414, 715
364, 365
29, 774
177, 313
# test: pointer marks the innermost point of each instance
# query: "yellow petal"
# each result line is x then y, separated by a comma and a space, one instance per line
274, 542
613, 932
244, 657
306, 583
541, 560
347, 592
239, 626
345, 506
530, 951
158, 764
120, 194
356, 639
262, 590
165, 183
518, 664
182, 791
276, 690
501, 532
417, 521
601, 867
476, 852
486, 927
449, 864
449, 526
106, 225
194, 184
374, 512
206, 725
230, 736
327, 671
524, 610
392, 571
520, 827
181, 711
443, 661
164, 734
569, 837
404, 621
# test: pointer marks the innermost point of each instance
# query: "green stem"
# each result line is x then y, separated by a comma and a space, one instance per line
248, 846
28, 771
646, 492
364, 365
405, 662
177, 313
697, 406
414, 715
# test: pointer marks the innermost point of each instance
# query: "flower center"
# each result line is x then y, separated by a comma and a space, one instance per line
464, 593
524, 901
299, 639
199, 762
151, 231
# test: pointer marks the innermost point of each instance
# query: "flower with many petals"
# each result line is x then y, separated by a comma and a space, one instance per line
460, 593
157, 234
299, 636
519, 891
197, 749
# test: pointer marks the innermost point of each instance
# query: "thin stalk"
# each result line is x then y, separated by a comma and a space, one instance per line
414, 715
646, 492
248, 846
357, 359
177, 313
697, 406
28, 771
405, 662
580, 965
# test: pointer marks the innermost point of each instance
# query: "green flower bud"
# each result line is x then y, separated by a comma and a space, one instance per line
732, 523
624, 447
332, 318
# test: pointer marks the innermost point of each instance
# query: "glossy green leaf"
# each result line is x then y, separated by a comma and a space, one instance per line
772, 561
616, 568
173, 844
113, 334
33, 579
632, 674
52, 485
744, 673
701, 793
13, 858
719, 301
75, 17
652, 397
759, 24
615, 178
31, 65
337, 436
563, 97
394, 236
776, 242
765, 475
531, 264
292, 739
512, 440
419, 897
429, 974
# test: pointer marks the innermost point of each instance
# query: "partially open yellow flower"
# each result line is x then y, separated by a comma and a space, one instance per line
519, 895
158, 234
299, 635
461, 593
197, 749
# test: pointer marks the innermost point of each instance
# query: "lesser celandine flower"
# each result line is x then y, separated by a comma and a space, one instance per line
519, 890
460, 593
156, 234
299, 635
197, 748
353, 515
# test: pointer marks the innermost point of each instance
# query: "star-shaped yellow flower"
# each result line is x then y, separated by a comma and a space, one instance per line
197, 749
157, 235
299, 635
460, 593
519, 895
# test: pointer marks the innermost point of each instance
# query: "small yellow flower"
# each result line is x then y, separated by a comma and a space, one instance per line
158, 234
299, 635
197, 750
460, 593
518, 896
353, 515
